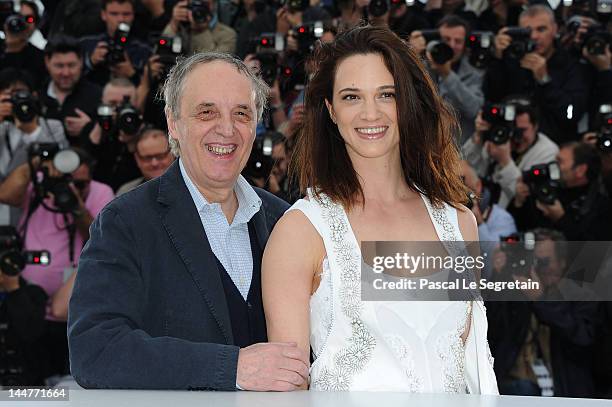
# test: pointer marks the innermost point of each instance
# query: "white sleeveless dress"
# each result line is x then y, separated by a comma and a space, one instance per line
408, 346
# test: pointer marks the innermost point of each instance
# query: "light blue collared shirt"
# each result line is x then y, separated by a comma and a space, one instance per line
231, 244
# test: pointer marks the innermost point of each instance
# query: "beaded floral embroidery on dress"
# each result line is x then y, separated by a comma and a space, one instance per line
451, 352
353, 358
403, 353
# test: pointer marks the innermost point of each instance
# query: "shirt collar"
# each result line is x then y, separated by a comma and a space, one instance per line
249, 202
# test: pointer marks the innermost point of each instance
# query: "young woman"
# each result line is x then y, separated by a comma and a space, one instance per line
378, 162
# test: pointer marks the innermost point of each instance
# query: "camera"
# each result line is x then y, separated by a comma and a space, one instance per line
117, 44
12, 256
268, 42
16, 24
308, 34
518, 248
65, 161
604, 135
168, 49
440, 52
480, 44
124, 117
200, 10
25, 107
521, 43
544, 182
260, 163
501, 117
296, 5
378, 8
128, 118
595, 40
269, 66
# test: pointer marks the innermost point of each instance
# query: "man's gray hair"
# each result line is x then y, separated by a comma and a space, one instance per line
536, 9
173, 86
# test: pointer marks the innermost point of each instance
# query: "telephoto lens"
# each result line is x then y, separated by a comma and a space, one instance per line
128, 118
24, 106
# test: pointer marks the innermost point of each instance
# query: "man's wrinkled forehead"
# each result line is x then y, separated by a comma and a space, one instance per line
218, 83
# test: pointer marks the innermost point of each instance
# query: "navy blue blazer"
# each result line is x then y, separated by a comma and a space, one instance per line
148, 310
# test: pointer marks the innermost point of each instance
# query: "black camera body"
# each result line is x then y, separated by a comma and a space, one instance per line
200, 10
521, 44
260, 163
269, 66
501, 117
116, 46
378, 8
595, 40
16, 24
124, 117
480, 45
65, 161
169, 49
440, 52
308, 34
25, 106
544, 182
128, 118
12, 256
519, 250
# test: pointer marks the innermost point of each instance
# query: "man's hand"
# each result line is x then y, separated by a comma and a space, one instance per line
153, 68
123, 69
74, 125
521, 193
600, 62
536, 63
297, 118
272, 366
98, 56
417, 41
481, 127
532, 294
180, 14
499, 152
10, 283
282, 23
502, 41
553, 212
6, 107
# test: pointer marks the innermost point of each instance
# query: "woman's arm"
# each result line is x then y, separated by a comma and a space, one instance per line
292, 258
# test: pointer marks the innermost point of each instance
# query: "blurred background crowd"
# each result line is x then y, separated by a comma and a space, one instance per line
530, 82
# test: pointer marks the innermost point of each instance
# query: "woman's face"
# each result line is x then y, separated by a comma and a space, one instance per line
364, 107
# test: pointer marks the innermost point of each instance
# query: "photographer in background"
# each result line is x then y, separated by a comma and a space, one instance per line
57, 213
197, 23
68, 97
537, 339
22, 320
502, 160
458, 81
580, 210
21, 124
532, 64
152, 155
115, 53
19, 53
112, 140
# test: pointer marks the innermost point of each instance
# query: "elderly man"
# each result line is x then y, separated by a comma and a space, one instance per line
168, 292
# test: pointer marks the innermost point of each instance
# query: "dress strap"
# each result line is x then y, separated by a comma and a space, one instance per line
444, 219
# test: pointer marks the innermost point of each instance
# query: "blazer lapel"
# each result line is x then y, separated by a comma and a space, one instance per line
184, 227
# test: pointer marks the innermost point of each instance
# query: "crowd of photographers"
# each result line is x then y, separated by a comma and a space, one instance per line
530, 82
